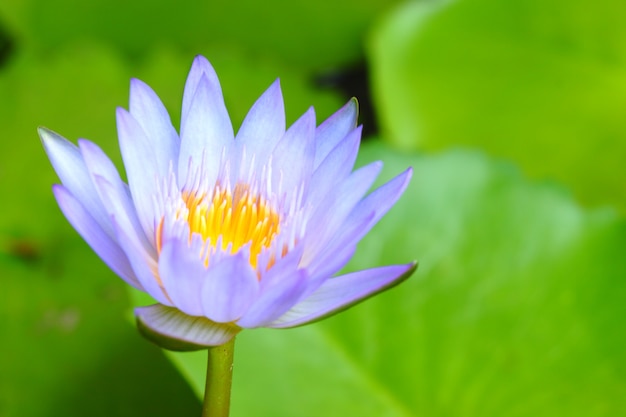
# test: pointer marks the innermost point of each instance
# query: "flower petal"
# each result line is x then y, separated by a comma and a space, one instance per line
72, 171
282, 287
336, 167
206, 131
146, 162
144, 265
263, 126
334, 129
199, 68
361, 220
340, 293
150, 113
333, 211
115, 195
229, 289
105, 247
294, 154
171, 329
183, 273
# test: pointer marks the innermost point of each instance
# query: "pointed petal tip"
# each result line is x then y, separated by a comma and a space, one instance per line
340, 293
200, 59
171, 329
47, 135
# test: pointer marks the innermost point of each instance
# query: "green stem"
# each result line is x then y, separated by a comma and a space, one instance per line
219, 375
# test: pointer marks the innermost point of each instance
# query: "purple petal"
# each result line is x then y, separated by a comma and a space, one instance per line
229, 288
206, 131
340, 293
281, 288
294, 154
113, 192
333, 211
148, 110
171, 329
72, 171
334, 129
144, 265
336, 167
105, 247
121, 210
199, 68
183, 273
263, 126
361, 220
146, 162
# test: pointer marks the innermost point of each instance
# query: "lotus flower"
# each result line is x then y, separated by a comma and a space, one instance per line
227, 231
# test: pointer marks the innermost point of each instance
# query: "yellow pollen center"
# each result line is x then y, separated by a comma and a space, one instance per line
238, 218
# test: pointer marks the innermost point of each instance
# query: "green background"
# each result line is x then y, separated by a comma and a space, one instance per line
512, 116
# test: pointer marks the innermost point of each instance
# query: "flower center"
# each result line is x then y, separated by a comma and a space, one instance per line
240, 217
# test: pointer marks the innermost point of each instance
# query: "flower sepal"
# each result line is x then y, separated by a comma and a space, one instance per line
174, 330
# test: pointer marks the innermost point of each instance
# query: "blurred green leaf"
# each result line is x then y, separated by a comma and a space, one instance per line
67, 348
313, 35
515, 310
540, 83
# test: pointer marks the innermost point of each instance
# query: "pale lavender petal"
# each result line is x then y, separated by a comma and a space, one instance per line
231, 286
340, 293
148, 110
183, 273
199, 68
121, 209
72, 171
336, 167
105, 247
171, 329
145, 266
113, 192
294, 154
325, 267
281, 288
365, 216
146, 163
263, 126
334, 129
206, 132
333, 211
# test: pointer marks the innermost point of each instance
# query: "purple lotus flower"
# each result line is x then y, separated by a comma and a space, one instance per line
227, 231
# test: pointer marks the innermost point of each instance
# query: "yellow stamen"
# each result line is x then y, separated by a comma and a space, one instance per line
239, 218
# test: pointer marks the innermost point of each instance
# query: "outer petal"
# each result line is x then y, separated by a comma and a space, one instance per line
294, 154
263, 126
340, 293
113, 192
282, 287
332, 211
336, 167
206, 131
334, 129
365, 215
145, 267
171, 329
146, 162
148, 110
72, 171
183, 273
230, 288
104, 246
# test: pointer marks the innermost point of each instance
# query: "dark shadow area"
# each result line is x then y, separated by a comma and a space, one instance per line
134, 380
7, 45
353, 81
